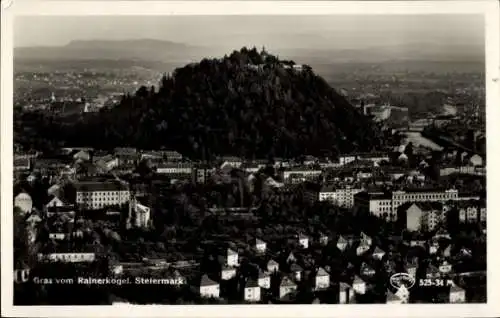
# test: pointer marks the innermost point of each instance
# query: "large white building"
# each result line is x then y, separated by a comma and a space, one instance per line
170, 168
96, 195
300, 173
377, 203
380, 203
341, 196
67, 257
422, 195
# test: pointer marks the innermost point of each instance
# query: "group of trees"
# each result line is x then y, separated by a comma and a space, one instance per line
220, 106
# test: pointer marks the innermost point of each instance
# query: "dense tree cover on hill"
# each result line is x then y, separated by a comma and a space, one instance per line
225, 106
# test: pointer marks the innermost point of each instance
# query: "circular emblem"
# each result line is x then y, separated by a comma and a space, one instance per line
399, 280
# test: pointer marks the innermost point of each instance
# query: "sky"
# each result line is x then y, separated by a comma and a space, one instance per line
324, 32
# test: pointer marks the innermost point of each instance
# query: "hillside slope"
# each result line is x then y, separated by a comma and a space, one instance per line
248, 104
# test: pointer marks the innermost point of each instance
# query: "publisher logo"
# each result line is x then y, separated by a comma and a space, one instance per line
402, 280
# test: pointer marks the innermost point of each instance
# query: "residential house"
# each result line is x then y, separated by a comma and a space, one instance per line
252, 291
228, 272
260, 246
365, 239
209, 288
264, 280
287, 287
342, 243
54, 201
303, 241
361, 249
272, 266
296, 271
457, 294
322, 279
378, 253
291, 258
346, 293
24, 202
359, 285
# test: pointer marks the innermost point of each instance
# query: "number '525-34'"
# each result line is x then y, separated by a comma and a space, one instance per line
426, 282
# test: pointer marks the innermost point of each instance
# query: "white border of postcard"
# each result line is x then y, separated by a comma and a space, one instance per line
490, 9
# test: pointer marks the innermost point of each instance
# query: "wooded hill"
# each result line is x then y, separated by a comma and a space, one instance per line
249, 104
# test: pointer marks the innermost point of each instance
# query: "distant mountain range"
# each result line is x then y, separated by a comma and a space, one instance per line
144, 49
167, 51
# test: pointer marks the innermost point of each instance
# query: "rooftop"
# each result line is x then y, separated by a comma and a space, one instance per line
456, 289
321, 272
205, 281
251, 283
92, 186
